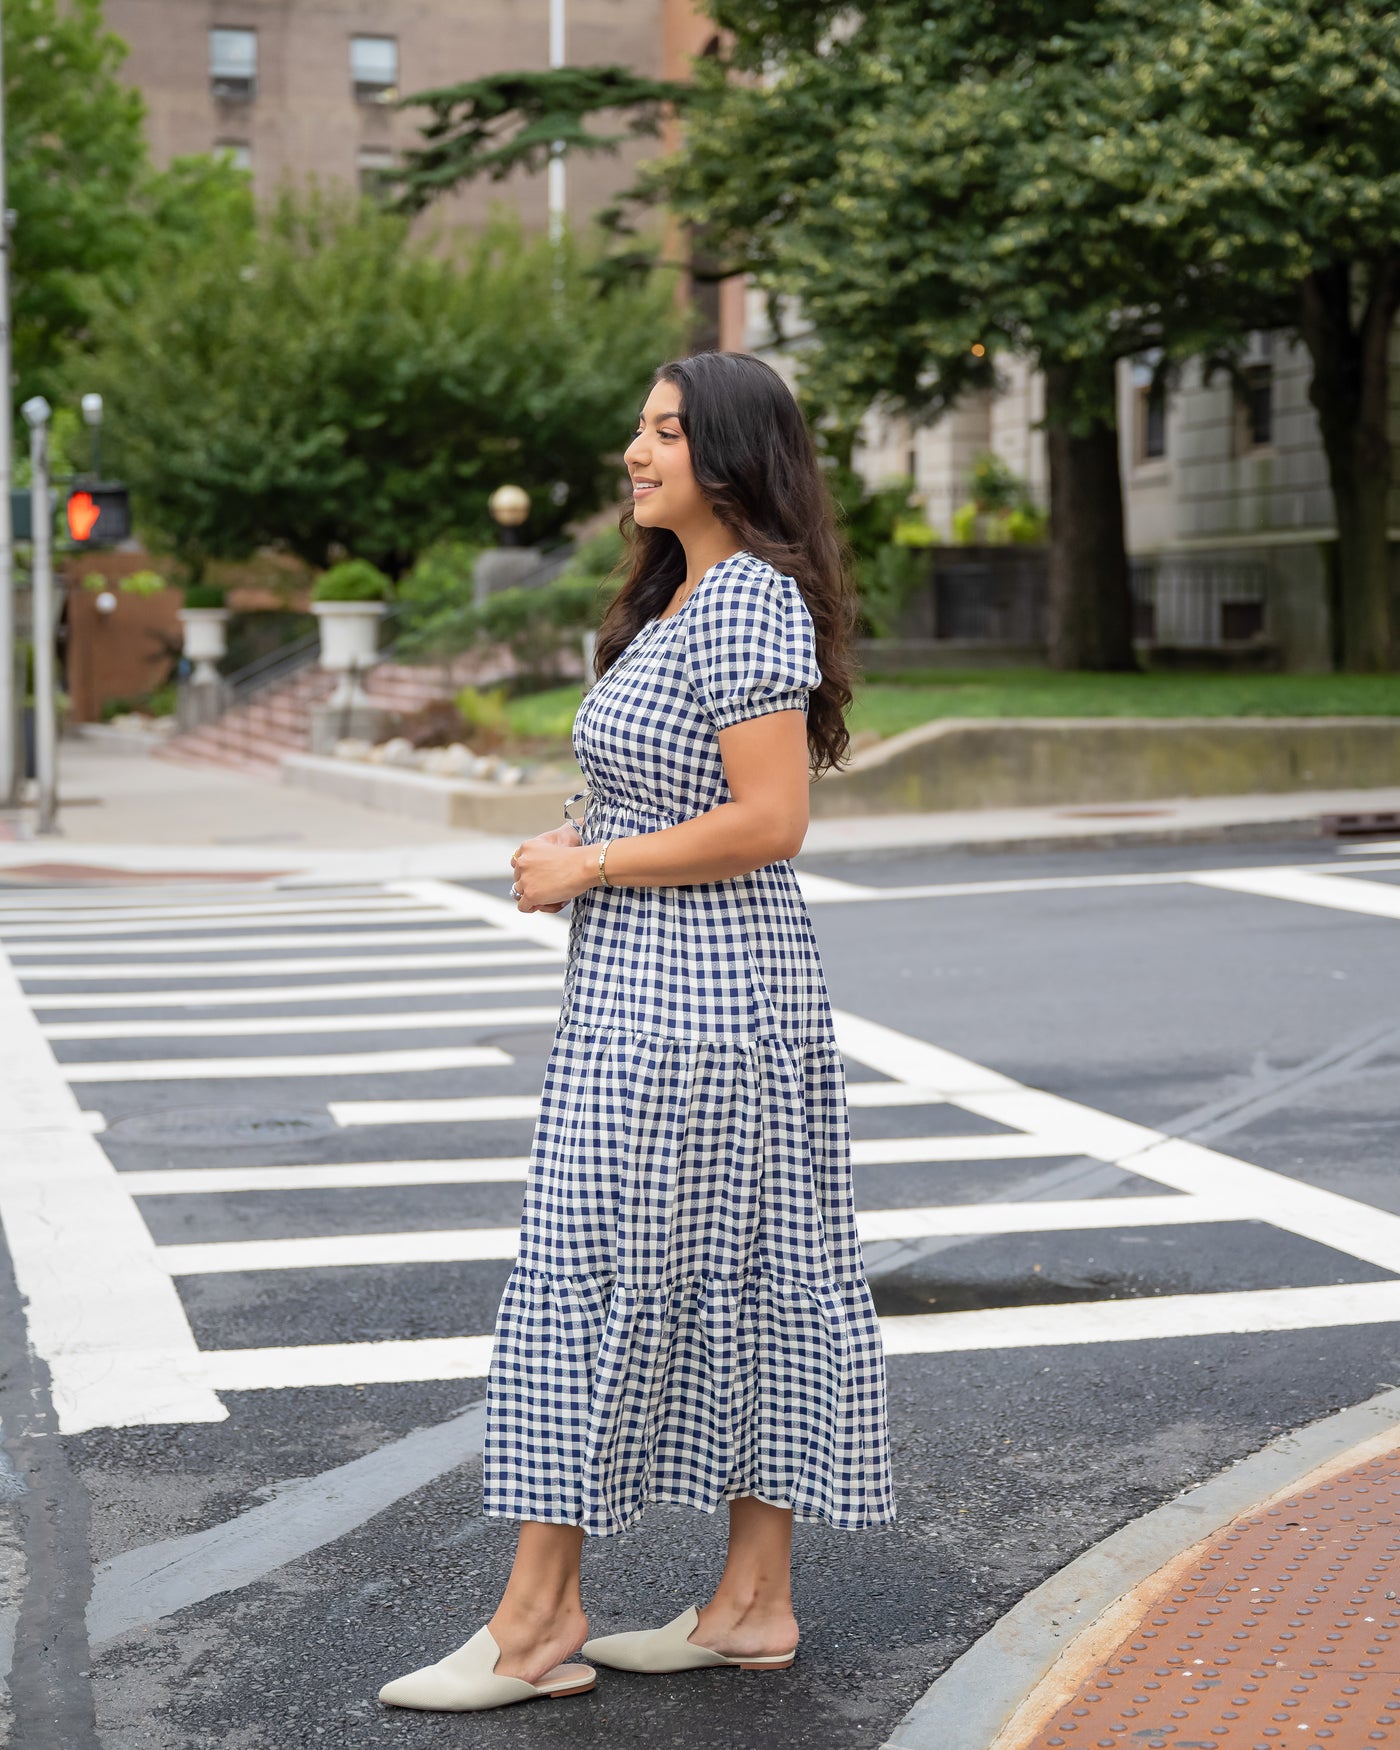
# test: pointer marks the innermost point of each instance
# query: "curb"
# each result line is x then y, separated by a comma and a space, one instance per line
1022, 1666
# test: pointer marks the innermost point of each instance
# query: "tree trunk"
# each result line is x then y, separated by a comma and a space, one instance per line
1350, 389
1091, 608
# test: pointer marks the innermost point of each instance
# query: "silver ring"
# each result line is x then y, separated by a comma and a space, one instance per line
514, 891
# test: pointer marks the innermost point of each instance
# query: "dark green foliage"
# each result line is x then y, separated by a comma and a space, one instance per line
74, 157
352, 580
328, 383
511, 121
204, 595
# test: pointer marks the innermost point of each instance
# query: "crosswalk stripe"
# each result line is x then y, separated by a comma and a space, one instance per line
476, 1244
1154, 1318
527, 954
316, 1366
250, 910
362, 1175
236, 928
1359, 1230
242, 1027
1161, 1318
447, 935
483, 1108
346, 1063
1336, 892
276, 996
100, 1309
352, 1112
343, 1176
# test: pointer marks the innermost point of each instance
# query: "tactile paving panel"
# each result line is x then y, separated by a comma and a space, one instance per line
1286, 1634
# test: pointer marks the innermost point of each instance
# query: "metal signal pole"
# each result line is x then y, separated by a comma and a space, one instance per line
9, 704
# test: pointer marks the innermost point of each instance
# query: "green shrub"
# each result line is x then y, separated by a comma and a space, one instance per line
353, 580
483, 710
965, 519
887, 584
142, 583
205, 595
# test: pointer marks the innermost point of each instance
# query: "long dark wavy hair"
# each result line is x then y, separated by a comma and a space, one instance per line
755, 462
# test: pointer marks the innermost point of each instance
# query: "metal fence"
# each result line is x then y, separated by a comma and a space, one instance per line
1182, 603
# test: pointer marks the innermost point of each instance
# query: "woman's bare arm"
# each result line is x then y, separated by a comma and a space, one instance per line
765, 766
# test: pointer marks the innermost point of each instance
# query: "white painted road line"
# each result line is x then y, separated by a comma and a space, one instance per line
254, 1027
1359, 1230
475, 1244
367, 1175
315, 1366
101, 1311
1337, 892
276, 996
450, 935
1069, 1216
1148, 1320
251, 909
525, 955
1108, 1321
886, 1151
344, 1063
236, 929
345, 1176
346, 1112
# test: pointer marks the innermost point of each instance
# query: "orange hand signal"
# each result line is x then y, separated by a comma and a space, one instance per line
82, 515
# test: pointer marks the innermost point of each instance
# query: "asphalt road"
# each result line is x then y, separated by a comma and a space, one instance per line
1051, 1376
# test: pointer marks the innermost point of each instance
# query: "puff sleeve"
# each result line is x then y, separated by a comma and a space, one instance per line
751, 647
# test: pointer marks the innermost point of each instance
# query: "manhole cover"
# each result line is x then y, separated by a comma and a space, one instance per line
220, 1126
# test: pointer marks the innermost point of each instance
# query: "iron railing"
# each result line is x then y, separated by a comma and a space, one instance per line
1183, 603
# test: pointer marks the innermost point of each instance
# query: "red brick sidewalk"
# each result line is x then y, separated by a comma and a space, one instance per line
1285, 1632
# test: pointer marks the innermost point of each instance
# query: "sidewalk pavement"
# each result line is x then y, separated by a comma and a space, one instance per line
122, 810
1257, 1610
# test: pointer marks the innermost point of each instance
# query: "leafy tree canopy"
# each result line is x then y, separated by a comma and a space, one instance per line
74, 158
329, 383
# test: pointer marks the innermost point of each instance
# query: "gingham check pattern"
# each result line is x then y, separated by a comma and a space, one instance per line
688, 1320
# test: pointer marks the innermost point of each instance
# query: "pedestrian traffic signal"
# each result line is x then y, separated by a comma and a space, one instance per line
99, 516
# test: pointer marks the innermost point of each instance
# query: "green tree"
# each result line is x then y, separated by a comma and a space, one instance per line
75, 157
328, 382
1075, 182
1259, 145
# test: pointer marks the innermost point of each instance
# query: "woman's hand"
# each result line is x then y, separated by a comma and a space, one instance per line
549, 870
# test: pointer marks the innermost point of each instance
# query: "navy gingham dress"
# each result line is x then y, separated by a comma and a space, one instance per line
688, 1320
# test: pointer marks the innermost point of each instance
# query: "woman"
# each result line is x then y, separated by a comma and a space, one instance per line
688, 1320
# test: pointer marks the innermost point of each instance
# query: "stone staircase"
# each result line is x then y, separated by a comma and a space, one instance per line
257, 734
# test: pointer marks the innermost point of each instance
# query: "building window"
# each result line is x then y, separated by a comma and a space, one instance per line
1149, 409
1257, 406
374, 165
238, 153
374, 68
233, 64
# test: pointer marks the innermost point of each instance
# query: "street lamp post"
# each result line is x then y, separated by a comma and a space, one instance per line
92, 415
556, 150
36, 412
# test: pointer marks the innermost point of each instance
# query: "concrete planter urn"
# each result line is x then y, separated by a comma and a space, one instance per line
349, 646
205, 640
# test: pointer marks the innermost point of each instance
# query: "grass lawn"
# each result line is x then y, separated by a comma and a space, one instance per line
894, 703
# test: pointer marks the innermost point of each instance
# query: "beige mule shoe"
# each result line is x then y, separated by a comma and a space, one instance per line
466, 1681
657, 1650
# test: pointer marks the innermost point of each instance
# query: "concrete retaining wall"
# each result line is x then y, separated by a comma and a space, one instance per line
450, 802
1030, 762
960, 763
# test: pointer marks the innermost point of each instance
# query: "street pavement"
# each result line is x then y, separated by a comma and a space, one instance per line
1124, 1136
